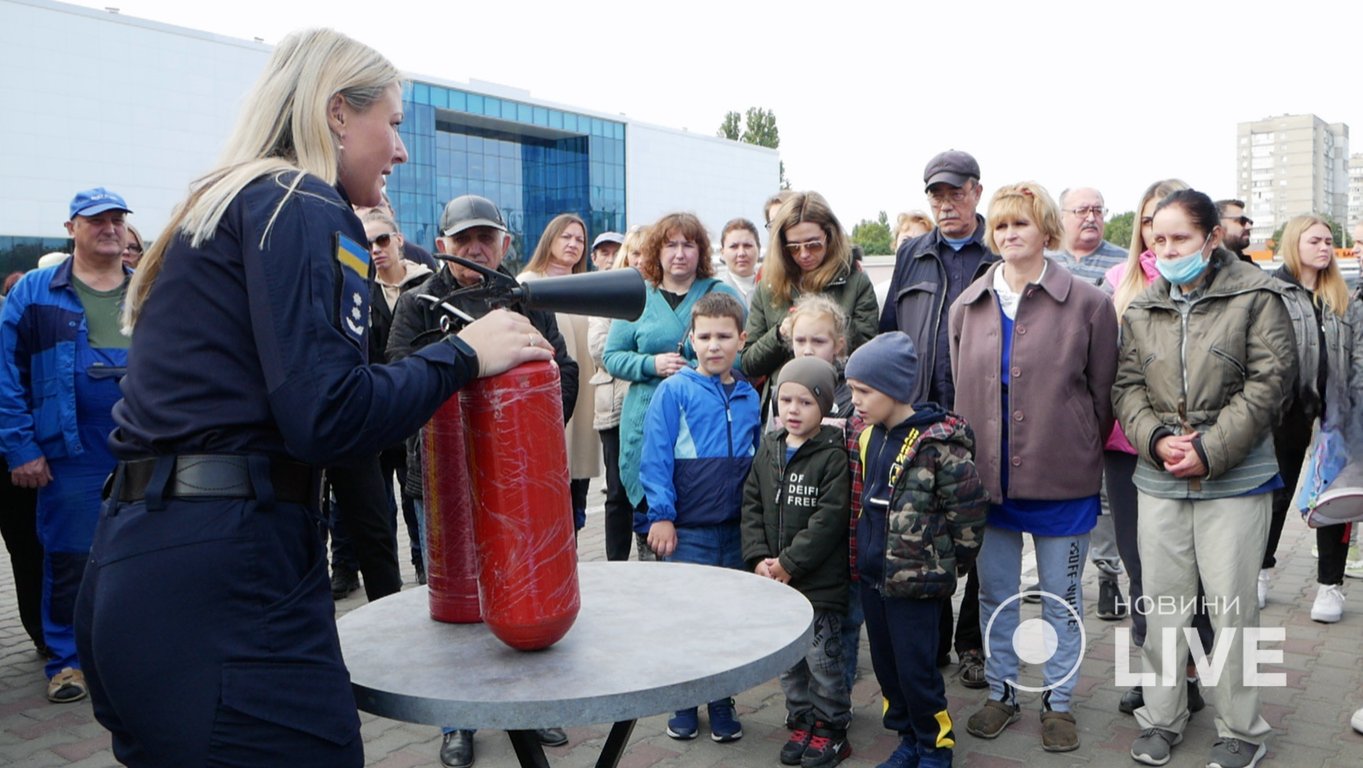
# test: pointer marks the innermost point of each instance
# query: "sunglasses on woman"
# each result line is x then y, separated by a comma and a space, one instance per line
382, 241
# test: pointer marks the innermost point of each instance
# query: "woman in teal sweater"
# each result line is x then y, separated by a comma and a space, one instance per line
676, 264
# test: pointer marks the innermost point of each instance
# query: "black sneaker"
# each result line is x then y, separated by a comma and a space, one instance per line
343, 583
828, 746
420, 573
1195, 701
795, 746
1111, 606
1132, 700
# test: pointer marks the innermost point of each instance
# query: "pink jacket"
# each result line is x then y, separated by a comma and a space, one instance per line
1117, 440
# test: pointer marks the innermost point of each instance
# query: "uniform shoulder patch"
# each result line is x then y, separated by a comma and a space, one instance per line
352, 256
352, 299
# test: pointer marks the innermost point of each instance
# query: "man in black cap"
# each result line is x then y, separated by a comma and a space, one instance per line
472, 228
930, 271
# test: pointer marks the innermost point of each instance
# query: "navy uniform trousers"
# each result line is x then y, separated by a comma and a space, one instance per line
236, 608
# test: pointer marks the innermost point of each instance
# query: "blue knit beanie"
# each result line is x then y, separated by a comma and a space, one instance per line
887, 363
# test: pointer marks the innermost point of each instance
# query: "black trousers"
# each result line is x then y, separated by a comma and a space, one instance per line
619, 512
365, 509
19, 527
1291, 440
905, 666
968, 636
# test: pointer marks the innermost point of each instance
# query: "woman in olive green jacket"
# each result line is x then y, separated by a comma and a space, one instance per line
1207, 362
808, 254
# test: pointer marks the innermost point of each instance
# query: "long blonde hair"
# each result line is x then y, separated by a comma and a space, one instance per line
1331, 290
634, 241
780, 273
283, 130
1133, 280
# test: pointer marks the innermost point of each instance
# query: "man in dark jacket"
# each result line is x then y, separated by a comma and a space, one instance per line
930, 272
471, 228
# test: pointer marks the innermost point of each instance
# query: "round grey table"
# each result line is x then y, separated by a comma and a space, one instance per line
650, 638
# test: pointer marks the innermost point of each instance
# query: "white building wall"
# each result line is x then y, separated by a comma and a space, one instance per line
99, 99
669, 170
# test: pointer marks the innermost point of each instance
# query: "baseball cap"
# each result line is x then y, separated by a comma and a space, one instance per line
608, 237
467, 211
952, 167
92, 202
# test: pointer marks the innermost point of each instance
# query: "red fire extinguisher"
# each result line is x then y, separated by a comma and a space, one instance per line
523, 521
451, 567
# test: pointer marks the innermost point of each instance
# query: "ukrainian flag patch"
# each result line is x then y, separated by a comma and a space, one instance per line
353, 256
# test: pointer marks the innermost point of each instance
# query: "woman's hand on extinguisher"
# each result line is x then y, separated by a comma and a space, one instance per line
503, 340
662, 538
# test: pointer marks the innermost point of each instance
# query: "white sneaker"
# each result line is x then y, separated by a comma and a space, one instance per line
1357, 721
1264, 575
1353, 564
1329, 605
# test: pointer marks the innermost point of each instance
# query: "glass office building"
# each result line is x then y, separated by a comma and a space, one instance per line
534, 161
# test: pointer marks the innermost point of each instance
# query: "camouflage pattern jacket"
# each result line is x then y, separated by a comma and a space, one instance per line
916, 541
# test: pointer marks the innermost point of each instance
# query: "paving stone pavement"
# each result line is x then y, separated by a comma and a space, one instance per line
1309, 714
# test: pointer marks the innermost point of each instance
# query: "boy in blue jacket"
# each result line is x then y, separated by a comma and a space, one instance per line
700, 434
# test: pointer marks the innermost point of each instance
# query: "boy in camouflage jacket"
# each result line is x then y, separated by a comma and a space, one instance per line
922, 515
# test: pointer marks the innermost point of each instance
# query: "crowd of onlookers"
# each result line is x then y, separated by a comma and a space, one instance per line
1155, 409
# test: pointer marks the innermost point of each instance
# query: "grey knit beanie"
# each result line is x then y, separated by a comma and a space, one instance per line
816, 375
887, 363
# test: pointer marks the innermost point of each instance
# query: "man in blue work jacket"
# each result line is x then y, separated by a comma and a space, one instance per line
63, 354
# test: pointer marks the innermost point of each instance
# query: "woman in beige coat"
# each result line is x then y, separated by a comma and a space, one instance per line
562, 250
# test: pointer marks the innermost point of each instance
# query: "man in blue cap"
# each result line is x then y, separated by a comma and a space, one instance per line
63, 354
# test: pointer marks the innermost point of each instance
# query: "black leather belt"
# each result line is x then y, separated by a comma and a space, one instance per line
218, 476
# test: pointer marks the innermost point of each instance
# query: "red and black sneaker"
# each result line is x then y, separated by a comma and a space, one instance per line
827, 747
794, 748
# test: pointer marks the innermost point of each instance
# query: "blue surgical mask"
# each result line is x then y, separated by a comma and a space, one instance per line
1184, 269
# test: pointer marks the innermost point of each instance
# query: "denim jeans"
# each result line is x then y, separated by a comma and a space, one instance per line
1060, 567
815, 687
709, 545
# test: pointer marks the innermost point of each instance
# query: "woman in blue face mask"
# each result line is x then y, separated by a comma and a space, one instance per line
1207, 361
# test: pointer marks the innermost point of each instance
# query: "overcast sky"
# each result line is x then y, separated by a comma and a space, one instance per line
1113, 95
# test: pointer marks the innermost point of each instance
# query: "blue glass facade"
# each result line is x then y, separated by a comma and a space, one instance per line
533, 161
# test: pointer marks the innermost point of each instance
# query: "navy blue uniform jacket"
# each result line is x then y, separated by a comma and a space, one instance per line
243, 344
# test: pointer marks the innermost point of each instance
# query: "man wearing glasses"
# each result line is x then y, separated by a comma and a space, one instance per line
1088, 256
930, 271
1083, 249
1237, 227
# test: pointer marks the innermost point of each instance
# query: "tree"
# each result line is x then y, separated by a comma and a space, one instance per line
874, 237
1118, 229
729, 129
759, 128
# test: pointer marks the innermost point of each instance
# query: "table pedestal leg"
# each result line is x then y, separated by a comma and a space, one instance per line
615, 744
530, 752
528, 749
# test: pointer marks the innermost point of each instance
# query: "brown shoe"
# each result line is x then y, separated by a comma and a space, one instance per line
1058, 732
992, 718
971, 670
67, 686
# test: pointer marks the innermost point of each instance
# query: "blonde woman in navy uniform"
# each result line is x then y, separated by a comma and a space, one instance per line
205, 614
